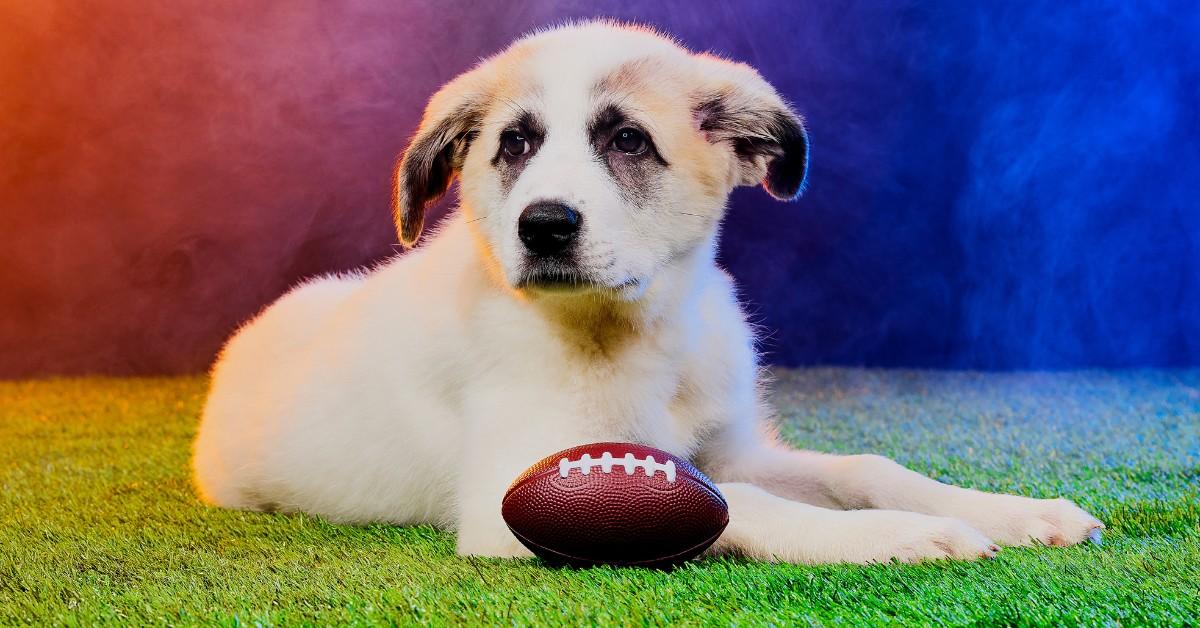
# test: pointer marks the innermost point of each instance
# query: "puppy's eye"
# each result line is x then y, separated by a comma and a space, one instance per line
630, 141
514, 143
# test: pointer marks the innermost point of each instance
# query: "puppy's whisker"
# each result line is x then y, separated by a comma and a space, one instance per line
477, 219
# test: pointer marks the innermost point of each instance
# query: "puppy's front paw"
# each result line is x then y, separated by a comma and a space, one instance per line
1013, 520
941, 537
911, 537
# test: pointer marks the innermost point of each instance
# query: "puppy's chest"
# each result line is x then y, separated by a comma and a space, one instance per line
644, 387
649, 398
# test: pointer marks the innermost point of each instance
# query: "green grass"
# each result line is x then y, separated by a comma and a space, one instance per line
98, 522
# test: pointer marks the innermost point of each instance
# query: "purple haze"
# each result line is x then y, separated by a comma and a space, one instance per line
994, 185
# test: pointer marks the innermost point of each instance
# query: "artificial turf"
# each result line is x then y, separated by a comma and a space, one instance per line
98, 522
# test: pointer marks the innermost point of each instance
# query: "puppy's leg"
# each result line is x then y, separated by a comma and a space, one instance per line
506, 440
868, 481
768, 527
481, 529
488, 467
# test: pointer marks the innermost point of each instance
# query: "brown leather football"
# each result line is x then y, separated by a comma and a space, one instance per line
615, 504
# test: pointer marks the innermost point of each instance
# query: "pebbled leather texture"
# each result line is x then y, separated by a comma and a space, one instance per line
618, 517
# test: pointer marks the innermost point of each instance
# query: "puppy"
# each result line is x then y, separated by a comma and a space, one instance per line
572, 298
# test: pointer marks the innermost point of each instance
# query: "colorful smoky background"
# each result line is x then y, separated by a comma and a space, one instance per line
994, 185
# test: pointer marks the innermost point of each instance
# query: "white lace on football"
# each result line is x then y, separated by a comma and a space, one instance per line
606, 462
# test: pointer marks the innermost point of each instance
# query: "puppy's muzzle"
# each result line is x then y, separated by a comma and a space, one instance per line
548, 229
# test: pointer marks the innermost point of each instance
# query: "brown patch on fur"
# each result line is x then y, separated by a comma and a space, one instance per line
595, 331
651, 86
735, 107
451, 122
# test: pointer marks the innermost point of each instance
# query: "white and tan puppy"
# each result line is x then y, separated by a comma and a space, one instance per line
572, 298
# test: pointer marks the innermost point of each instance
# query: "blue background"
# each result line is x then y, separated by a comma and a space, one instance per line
994, 184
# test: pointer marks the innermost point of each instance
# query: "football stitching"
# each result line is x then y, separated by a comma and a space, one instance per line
606, 462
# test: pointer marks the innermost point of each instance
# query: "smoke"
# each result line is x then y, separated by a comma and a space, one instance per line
1078, 219
1024, 196
994, 185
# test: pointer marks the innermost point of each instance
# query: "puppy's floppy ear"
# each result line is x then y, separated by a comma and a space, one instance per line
436, 152
735, 105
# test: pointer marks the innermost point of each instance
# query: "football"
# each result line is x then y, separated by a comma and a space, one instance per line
614, 504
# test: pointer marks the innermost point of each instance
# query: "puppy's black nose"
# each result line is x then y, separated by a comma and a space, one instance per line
547, 228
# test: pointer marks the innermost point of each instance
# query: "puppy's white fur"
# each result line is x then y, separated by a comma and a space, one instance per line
417, 392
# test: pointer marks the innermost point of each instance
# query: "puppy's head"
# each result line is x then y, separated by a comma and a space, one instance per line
593, 156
